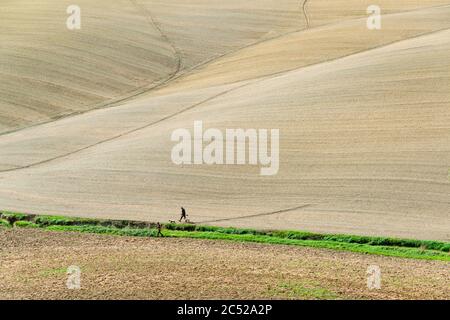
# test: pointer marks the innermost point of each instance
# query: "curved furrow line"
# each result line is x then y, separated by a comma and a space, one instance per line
152, 21
258, 214
305, 13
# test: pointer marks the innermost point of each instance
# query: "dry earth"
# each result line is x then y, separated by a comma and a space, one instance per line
124, 47
364, 116
33, 265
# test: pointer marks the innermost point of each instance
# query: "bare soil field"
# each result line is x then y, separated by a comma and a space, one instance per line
363, 115
33, 265
124, 47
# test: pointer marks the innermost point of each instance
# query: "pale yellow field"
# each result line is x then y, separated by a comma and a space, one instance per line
124, 47
364, 116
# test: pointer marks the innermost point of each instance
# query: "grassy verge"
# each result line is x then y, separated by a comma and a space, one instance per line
405, 248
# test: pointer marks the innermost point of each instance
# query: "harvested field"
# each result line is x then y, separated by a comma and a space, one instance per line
124, 47
33, 265
363, 115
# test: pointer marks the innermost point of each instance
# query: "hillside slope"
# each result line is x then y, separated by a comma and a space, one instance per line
124, 47
364, 124
364, 143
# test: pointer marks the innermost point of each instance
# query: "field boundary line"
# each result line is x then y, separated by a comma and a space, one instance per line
259, 214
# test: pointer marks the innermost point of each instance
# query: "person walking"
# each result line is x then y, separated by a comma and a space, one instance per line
159, 227
183, 215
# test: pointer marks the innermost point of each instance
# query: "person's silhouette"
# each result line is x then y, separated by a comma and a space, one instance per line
159, 227
183, 214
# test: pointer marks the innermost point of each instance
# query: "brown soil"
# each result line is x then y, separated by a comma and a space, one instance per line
33, 265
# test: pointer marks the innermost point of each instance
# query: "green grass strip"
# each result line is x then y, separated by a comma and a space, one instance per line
413, 253
406, 248
300, 235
